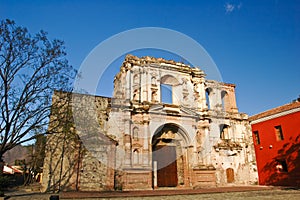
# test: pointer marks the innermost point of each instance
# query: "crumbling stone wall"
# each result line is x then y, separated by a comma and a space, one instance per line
68, 164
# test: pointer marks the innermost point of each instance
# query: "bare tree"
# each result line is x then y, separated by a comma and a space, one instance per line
32, 67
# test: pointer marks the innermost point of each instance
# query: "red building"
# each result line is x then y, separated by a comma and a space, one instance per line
276, 135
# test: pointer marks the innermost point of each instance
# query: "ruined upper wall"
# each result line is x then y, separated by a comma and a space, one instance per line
140, 80
221, 96
131, 60
80, 107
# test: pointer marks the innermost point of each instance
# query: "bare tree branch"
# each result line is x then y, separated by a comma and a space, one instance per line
32, 67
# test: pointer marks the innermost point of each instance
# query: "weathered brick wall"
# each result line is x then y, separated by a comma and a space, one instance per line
95, 175
60, 164
68, 164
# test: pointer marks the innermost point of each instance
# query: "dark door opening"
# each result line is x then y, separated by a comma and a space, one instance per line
230, 175
165, 156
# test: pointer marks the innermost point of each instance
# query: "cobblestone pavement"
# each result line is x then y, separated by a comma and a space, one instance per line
250, 195
29, 196
217, 194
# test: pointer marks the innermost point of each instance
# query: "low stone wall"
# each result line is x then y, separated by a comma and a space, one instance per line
203, 178
137, 180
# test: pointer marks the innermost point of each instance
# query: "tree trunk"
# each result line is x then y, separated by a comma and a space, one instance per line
1, 176
1, 165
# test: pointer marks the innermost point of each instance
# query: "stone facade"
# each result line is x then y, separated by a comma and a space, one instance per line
197, 138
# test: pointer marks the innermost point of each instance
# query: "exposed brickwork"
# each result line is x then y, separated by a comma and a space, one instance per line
68, 164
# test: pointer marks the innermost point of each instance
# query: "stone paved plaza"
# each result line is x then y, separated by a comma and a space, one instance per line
274, 194
250, 195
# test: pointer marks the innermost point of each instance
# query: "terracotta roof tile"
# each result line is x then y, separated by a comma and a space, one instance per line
276, 110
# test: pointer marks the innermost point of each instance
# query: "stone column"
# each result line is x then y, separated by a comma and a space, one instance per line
232, 100
144, 85
196, 93
187, 168
206, 147
155, 174
202, 94
127, 137
215, 99
128, 85
146, 144
127, 149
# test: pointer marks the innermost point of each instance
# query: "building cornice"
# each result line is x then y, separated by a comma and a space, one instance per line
254, 119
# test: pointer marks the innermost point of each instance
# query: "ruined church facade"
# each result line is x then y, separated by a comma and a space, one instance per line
194, 138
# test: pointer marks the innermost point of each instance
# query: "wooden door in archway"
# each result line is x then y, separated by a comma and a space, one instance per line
166, 166
230, 175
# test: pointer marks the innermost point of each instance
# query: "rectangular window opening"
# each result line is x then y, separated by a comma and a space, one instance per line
224, 134
256, 137
279, 133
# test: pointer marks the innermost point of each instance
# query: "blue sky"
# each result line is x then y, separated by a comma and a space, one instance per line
255, 44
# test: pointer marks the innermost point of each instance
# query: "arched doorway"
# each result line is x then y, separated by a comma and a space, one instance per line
167, 156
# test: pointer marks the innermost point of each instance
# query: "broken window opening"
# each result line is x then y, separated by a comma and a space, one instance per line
224, 133
224, 96
166, 93
207, 96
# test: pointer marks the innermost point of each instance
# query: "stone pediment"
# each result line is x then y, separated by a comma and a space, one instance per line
189, 111
172, 109
156, 107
